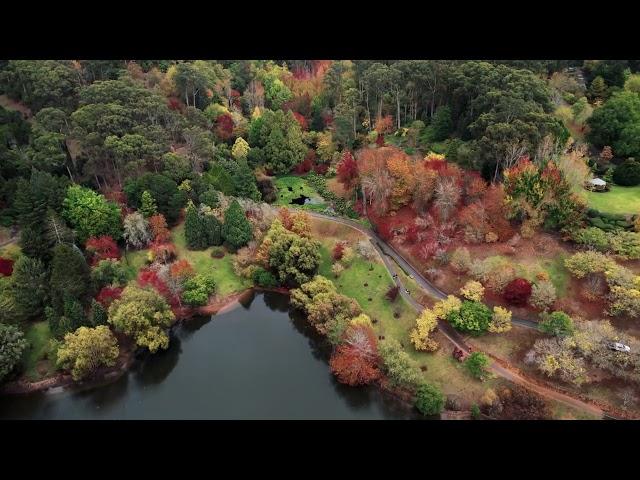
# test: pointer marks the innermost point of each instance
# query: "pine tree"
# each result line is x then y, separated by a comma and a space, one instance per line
236, 230
70, 276
213, 230
148, 205
98, 314
245, 182
29, 286
194, 229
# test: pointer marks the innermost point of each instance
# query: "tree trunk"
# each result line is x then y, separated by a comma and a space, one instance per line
398, 108
364, 201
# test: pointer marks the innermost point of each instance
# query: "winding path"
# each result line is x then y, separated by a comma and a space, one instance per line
387, 252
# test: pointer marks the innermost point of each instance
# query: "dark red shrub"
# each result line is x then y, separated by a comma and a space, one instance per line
321, 168
108, 295
338, 251
6, 267
102, 248
380, 140
517, 292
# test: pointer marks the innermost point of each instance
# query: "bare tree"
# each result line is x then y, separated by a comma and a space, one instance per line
514, 152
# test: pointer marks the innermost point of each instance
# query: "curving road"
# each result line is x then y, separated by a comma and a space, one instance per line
387, 252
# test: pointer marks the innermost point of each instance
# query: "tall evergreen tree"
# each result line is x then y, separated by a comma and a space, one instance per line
194, 229
236, 229
70, 276
29, 286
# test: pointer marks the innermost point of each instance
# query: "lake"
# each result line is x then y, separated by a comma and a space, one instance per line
260, 360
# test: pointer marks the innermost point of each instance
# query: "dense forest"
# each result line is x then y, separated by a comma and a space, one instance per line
98, 155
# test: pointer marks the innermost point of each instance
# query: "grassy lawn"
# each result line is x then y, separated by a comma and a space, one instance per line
558, 274
290, 187
134, 261
440, 368
227, 281
617, 200
34, 363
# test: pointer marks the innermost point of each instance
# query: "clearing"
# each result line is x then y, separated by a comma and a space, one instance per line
617, 200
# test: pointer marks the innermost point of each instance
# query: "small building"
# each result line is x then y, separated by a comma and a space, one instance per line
596, 185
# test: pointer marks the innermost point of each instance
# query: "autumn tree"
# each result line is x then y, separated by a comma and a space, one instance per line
500, 320
347, 171
102, 248
159, 230
144, 315
426, 323
355, 361
86, 350
517, 292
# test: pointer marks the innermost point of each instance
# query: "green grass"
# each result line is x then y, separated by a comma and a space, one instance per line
299, 186
227, 281
558, 274
38, 336
617, 200
134, 261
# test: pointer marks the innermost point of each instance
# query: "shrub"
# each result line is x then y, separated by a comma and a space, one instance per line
12, 346
517, 292
476, 364
197, 289
338, 251
264, 278
429, 399
500, 320
398, 365
593, 237
86, 350
625, 244
461, 260
6, 267
583, 263
558, 324
337, 269
217, 252
475, 411
627, 174
543, 295
472, 317
473, 291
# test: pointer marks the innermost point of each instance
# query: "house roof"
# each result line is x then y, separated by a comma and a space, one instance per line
597, 181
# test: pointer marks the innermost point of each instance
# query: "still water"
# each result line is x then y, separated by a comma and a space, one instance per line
257, 361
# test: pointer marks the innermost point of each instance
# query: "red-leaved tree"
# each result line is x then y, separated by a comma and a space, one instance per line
107, 295
224, 127
102, 248
301, 120
380, 140
517, 292
347, 171
158, 225
164, 252
338, 251
6, 267
355, 361
181, 270
148, 277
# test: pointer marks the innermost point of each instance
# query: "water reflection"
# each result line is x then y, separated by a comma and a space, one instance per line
262, 361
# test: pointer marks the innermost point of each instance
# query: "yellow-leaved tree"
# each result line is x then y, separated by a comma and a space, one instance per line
87, 349
425, 324
500, 321
473, 291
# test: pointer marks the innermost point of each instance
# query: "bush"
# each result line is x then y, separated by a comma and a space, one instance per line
627, 174
12, 346
543, 295
471, 317
392, 293
461, 260
217, 252
197, 289
429, 399
517, 292
476, 364
592, 237
558, 324
398, 365
264, 278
